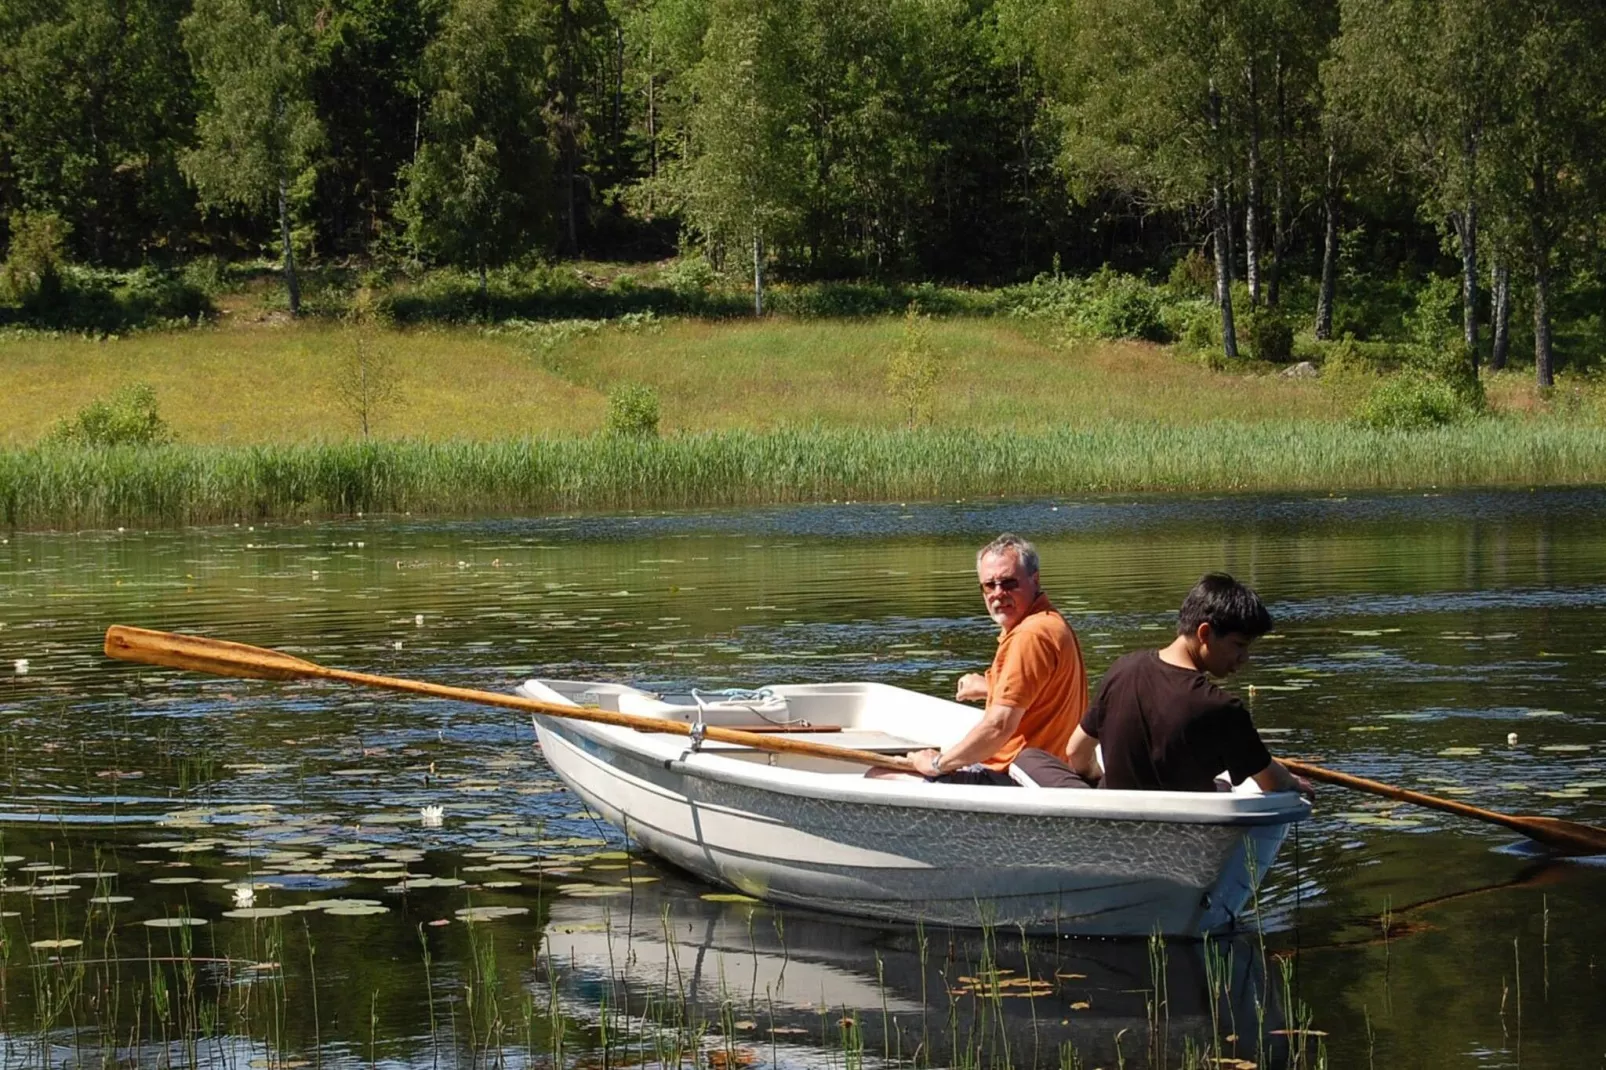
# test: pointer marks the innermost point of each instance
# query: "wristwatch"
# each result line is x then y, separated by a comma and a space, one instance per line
936, 763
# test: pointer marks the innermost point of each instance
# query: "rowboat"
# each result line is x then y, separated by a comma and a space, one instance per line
814, 832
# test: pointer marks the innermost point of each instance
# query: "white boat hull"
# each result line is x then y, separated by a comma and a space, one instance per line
1082, 862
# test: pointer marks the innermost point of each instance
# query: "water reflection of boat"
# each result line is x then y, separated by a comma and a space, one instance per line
815, 833
753, 974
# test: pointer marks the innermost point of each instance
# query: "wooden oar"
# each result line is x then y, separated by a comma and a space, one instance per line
1569, 837
221, 658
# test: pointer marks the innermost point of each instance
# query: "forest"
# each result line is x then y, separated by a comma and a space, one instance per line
1308, 155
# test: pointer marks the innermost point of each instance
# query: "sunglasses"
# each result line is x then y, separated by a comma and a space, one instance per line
1007, 584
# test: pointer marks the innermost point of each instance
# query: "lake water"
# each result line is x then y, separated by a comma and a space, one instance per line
1414, 634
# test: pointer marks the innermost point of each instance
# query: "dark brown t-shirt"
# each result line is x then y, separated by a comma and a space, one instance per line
1170, 729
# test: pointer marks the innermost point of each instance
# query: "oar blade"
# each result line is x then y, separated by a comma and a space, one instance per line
1569, 837
215, 656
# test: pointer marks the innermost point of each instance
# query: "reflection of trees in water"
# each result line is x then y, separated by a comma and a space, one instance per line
787, 987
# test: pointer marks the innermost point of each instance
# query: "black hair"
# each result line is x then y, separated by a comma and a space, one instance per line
1228, 606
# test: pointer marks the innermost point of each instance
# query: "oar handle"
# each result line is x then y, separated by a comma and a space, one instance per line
222, 658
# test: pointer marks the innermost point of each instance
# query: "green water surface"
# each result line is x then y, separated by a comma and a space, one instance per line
1414, 634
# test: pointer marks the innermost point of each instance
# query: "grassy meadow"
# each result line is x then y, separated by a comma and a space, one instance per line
509, 418
274, 382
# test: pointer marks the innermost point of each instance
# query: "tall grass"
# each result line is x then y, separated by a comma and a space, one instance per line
64, 486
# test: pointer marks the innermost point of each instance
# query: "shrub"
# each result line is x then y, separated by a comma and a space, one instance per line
633, 411
127, 418
148, 297
366, 378
32, 273
207, 275
1411, 401
689, 275
1197, 326
1123, 307
914, 370
1435, 322
1192, 276
1271, 336
1453, 365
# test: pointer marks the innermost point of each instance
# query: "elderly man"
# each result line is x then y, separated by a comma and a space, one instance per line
1036, 690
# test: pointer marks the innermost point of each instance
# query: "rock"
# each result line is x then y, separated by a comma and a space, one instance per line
1303, 370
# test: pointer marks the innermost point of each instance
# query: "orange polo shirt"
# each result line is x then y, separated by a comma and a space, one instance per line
1038, 667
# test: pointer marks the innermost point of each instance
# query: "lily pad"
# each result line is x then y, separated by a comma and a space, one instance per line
258, 912
427, 882
173, 923
489, 913
332, 904
55, 945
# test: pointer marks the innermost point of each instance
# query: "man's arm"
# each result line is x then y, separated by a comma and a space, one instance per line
1276, 777
997, 724
1082, 756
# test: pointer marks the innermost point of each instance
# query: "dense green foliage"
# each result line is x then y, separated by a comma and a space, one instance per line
128, 418
1325, 154
633, 410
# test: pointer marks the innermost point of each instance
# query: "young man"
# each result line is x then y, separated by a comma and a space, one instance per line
1163, 724
1036, 690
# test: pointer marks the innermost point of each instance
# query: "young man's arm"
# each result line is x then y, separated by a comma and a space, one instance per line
1082, 756
1276, 777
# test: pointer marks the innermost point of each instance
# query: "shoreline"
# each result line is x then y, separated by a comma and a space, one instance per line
52, 487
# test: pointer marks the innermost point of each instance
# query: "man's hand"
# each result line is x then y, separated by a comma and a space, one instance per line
1303, 786
972, 688
922, 760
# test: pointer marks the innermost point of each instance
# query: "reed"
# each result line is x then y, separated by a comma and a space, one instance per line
62, 486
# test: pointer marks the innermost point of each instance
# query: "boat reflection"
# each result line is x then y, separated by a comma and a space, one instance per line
752, 983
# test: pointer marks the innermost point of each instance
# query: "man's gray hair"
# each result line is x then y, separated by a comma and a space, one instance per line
1010, 543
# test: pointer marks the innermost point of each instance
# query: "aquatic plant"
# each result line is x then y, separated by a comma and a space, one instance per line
64, 486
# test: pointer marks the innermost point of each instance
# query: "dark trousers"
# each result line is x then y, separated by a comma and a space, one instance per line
1033, 768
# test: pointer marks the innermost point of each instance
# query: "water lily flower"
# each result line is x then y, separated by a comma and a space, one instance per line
432, 816
244, 894
21, 665
1511, 740
418, 620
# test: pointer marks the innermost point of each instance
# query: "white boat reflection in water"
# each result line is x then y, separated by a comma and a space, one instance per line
816, 833
787, 988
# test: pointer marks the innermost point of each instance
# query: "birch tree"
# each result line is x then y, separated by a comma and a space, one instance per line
1545, 157
257, 130
1424, 79
741, 185
1145, 91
